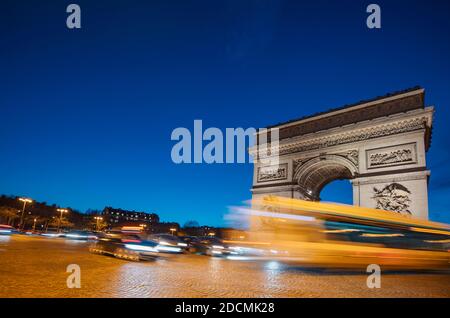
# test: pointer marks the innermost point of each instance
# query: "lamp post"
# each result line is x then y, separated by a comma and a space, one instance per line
98, 219
172, 230
34, 224
25, 201
60, 217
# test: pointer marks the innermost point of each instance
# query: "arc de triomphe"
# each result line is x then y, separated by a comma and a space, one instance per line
379, 145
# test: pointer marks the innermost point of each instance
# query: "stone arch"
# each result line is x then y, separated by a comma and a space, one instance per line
379, 144
314, 174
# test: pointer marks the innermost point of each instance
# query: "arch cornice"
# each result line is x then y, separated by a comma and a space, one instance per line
417, 120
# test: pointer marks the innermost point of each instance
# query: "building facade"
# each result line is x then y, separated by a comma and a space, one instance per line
118, 217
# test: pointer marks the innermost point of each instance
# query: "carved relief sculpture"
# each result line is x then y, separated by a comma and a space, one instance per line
272, 173
389, 156
393, 197
401, 155
358, 135
297, 163
351, 155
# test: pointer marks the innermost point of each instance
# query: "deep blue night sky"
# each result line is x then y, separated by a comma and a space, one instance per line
86, 115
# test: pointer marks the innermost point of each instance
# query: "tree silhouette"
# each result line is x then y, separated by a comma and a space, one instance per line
8, 215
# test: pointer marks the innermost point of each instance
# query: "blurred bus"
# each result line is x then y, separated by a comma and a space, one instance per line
334, 235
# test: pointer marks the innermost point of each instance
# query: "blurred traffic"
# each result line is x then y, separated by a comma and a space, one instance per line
340, 236
297, 232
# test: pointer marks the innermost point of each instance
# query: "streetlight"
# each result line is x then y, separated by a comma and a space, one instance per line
98, 219
25, 201
60, 217
172, 230
34, 224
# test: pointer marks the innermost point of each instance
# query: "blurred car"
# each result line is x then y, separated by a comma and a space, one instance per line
169, 243
208, 245
31, 232
53, 233
81, 235
125, 246
22, 232
187, 239
6, 229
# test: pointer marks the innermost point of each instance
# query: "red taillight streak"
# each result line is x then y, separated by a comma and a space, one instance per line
131, 241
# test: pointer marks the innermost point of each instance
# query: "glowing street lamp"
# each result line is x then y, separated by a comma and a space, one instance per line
25, 201
98, 219
34, 224
172, 230
60, 217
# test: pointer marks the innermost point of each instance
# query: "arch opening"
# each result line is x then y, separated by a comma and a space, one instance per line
314, 175
339, 190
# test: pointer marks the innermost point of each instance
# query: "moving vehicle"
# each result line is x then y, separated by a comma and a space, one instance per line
81, 235
125, 246
53, 233
342, 236
208, 245
169, 243
6, 229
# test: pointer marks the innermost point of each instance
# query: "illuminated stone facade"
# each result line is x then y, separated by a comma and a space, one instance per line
379, 145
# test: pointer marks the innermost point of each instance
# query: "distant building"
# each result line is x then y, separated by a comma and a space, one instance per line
200, 231
118, 217
164, 227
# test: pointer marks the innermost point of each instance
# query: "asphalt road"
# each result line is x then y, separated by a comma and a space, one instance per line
36, 267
